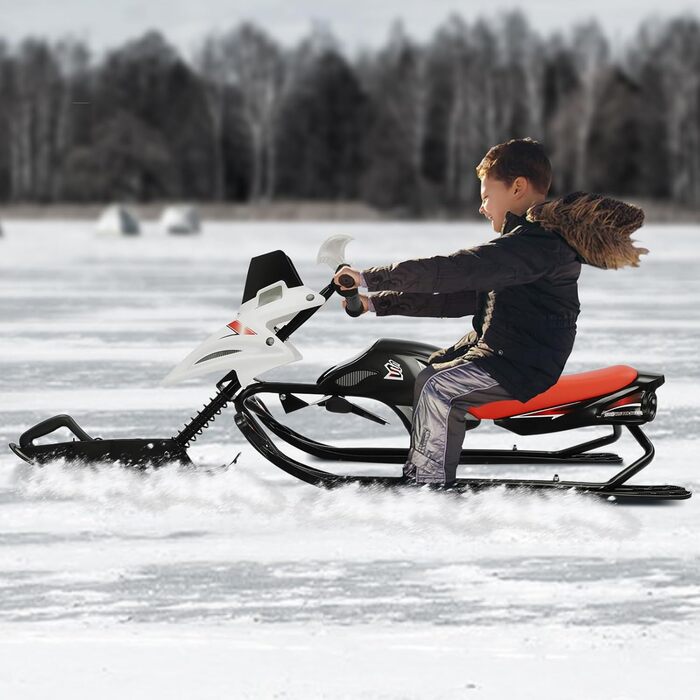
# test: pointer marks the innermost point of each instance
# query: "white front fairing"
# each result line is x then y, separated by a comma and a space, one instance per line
248, 344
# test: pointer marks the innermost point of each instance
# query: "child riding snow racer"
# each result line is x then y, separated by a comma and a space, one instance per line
521, 289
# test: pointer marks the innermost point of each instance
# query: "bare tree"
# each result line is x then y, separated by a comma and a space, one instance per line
457, 43
6, 97
450, 60
396, 79
521, 78
211, 62
591, 54
681, 61
468, 58
33, 121
73, 61
405, 90
256, 68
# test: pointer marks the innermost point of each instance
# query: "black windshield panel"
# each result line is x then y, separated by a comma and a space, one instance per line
267, 269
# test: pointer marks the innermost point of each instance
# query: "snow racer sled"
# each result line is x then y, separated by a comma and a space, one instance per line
275, 304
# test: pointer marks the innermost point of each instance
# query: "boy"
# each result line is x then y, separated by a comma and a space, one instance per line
521, 288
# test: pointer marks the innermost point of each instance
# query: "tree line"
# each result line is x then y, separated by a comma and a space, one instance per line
400, 127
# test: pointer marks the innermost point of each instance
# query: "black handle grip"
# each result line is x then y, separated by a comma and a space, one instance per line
353, 305
48, 426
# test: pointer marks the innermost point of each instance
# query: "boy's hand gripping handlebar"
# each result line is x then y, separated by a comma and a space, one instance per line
353, 303
332, 252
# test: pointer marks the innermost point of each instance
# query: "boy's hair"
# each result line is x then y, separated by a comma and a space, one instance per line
518, 158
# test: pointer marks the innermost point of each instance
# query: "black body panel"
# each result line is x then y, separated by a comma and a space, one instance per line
386, 371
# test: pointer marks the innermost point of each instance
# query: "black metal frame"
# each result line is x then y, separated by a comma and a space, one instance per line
614, 488
576, 454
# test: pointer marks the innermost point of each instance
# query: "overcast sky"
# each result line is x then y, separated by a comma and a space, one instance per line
356, 23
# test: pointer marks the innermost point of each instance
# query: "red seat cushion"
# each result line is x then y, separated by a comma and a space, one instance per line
569, 388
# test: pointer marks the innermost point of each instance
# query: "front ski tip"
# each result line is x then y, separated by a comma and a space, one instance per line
18, 452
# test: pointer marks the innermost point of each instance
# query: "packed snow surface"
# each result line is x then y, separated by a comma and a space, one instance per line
242, 582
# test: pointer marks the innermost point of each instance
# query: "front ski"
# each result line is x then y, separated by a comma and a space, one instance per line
85, 449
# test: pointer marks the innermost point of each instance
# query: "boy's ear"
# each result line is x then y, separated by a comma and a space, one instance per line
519, 186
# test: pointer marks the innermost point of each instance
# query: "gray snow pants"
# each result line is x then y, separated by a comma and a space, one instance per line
441, 399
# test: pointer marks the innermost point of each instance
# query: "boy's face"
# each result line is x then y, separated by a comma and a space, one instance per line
497, 198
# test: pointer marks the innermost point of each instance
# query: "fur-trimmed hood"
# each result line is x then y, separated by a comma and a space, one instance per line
598, 228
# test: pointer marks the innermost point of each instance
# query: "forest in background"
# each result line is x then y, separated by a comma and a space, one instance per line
400, 127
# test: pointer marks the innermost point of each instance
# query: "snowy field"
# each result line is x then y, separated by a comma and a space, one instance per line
244, 583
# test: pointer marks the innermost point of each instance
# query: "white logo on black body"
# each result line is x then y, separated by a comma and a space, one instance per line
394, 370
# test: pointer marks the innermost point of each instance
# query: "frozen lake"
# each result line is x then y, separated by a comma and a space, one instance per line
419, 594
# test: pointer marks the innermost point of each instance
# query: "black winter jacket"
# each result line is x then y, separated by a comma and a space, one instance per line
521, 287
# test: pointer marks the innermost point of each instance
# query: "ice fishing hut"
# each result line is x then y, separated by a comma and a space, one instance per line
180, 220
117, 220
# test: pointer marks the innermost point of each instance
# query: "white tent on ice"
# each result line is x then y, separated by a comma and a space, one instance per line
117, 220
180, 219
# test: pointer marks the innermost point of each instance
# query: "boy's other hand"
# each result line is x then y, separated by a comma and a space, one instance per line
365, 303
351, 272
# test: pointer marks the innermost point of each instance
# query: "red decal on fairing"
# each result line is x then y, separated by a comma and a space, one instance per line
240, 329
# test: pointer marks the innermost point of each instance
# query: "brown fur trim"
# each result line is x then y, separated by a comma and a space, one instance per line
598, 228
